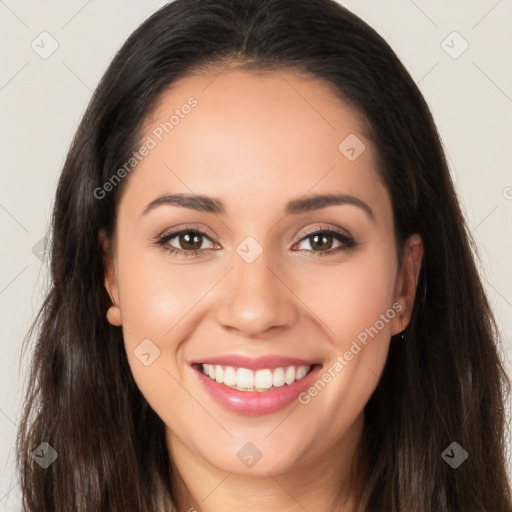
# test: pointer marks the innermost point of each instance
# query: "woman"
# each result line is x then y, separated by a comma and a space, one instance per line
263, 291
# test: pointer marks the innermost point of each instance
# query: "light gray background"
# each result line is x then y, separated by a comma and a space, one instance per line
42, 100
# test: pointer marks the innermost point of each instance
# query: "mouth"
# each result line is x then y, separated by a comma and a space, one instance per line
257, 390
245, 379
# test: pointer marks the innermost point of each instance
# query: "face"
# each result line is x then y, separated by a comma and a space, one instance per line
268, 287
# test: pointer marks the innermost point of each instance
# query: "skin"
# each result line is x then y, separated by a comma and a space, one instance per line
255, 141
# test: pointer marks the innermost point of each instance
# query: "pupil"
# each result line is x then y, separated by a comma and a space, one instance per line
193, 240
323, 239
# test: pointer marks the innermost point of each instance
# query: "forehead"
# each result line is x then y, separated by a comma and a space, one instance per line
254, 136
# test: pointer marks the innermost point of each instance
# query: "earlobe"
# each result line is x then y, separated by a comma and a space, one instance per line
114, 312
407, 281
114, 316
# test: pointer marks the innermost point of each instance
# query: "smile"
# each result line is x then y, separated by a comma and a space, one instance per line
244, 379
269, 384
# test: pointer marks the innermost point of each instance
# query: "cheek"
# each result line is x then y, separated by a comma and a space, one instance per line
155, 292
155, 297
345, 297
350, 297
355, 306
158, 298
354, 303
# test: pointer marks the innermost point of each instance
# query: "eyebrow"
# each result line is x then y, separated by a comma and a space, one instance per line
208, 204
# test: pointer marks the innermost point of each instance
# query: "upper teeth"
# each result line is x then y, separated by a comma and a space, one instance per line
259, 380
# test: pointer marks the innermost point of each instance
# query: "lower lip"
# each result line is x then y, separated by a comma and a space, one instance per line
253, 403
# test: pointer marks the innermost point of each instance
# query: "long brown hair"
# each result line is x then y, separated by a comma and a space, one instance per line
444, 383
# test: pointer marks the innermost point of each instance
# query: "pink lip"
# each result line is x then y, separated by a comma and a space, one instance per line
254, 363
253, 403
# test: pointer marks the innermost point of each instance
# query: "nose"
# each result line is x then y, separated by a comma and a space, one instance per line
255, 298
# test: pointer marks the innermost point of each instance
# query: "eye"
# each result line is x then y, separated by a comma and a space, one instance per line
190, 242
322, 241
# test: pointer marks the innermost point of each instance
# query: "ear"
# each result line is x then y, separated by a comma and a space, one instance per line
111, 285
407, 281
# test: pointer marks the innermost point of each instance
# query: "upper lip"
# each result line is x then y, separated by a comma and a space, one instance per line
254, 363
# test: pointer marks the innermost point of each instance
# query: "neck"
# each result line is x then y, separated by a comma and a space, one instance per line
322, 482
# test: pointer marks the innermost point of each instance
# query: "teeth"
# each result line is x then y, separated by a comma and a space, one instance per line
263, 379
244, 379
301, 372
290, 375
278, 377
219, 374
229, 375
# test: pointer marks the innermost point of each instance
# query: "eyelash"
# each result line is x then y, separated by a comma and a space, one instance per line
346, 240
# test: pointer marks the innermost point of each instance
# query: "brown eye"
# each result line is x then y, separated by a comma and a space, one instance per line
322, 242
190, 240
